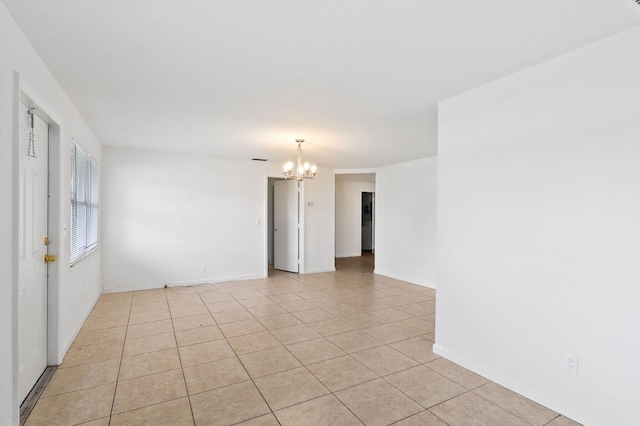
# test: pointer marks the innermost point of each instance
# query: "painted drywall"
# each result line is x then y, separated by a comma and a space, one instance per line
180, 219
319, 222
77, 288
406, 221
168, 216
538, 231
349, 189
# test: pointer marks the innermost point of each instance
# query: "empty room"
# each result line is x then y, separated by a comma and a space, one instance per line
320, 213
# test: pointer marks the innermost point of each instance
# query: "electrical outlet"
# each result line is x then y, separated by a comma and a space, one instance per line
571, 363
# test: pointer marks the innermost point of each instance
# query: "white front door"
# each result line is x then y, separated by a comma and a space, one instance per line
285, 225
32, 270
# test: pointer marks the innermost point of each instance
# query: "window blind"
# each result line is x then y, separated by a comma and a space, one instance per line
84, 204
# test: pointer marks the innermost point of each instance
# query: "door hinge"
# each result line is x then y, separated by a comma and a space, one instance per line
46, 241
298, 261
49, 258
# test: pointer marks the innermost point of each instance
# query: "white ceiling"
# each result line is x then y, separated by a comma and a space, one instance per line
358, 79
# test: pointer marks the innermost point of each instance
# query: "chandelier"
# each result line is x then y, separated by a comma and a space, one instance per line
303, 170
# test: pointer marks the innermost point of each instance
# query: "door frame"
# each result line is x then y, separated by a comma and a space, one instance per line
22, 92
265, 220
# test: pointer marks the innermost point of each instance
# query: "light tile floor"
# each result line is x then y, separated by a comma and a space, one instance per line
342, 348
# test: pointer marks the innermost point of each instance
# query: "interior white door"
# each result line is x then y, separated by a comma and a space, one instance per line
32, 270
285, 225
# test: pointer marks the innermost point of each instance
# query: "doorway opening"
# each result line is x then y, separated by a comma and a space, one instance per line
355, 220
368, 223
285, 226
37, 219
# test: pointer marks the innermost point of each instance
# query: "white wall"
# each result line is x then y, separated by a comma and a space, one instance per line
349, 189
77, 288
319, 222
166, 215
539, 231
406, 221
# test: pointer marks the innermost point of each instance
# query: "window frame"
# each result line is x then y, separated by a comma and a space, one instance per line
85, 235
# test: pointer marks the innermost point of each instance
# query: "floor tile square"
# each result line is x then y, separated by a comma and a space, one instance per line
149, 307
516, 404
298, 305
457, 373
392, 314
315, 350
192, 336
275, 322
92, 353
331, 326
417, 348
149, 363
149, 329
193, 322
205, 352
73, 407
377, 403
239, 328
295, 334
417, 326
340, 373
471, 409
149, 317
269, 361
148, 390
388, 333
141, 345
188, 311
424, 418
228, 405
253, 342
354, 341
224, 306
312, 315
106, 322
290, 387
104, 335
384, 360
266, 420
232, 315
425, 386
175, 413
326, 410
266, 310
364, 320
82, 377
212, 375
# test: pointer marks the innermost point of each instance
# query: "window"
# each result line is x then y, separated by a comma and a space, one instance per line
84, 204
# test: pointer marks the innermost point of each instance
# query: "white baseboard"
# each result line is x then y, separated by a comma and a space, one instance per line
563, 408
151, 286
355, 254
407, 279
317, 271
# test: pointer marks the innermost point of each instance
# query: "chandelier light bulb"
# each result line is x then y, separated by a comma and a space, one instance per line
303, 170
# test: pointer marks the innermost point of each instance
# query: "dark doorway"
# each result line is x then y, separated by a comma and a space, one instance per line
368, 221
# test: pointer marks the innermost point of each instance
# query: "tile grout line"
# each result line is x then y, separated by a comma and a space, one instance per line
184, 378
124, 342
